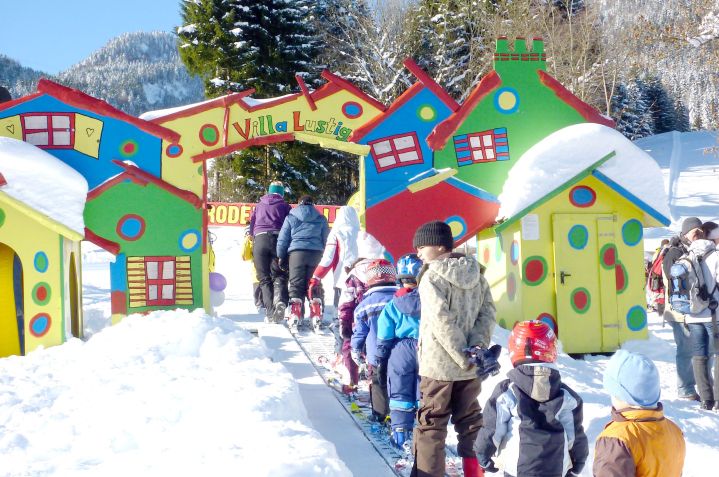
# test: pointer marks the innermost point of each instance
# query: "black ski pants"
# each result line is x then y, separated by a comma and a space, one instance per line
273, 281
301, 265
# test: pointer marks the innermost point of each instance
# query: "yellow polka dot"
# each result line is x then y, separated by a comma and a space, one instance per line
427, 113
456, 227
507, 100
189, 241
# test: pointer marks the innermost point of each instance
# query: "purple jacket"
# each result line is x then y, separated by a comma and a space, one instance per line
269, 214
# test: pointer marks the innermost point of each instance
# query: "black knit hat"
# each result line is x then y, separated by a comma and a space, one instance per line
434, 233
690, 223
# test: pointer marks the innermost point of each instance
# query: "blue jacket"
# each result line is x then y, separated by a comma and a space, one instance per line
304, 229
365, 320
398, 320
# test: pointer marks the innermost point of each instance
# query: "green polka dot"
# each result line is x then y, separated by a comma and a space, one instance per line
578, 237
632, 232
2, 217
637, 318
199, 170
580, 300
209, 134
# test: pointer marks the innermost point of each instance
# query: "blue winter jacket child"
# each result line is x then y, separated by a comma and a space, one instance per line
365, 320
304, 229
397, 334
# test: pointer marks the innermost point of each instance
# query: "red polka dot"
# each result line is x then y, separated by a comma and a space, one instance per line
580, 300
41, 293
128, 148
620, 277
534, 270
610, 256
485, 255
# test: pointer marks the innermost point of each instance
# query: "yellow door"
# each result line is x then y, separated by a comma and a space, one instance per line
9, 333
577, 281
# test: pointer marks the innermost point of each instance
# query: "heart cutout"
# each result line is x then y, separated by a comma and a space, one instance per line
11, 128
89, 131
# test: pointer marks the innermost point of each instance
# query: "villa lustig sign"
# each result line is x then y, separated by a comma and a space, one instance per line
268, 124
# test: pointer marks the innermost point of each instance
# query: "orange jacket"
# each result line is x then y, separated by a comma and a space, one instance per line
640, 443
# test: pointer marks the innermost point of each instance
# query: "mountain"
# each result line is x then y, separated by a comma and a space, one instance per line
135, 72
18, 79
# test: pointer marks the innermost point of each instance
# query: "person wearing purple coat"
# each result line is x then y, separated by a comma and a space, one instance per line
265, 224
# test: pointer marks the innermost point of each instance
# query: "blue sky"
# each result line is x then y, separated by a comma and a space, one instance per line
52, 35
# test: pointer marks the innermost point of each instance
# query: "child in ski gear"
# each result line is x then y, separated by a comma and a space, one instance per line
381, 278
302, 237
457, 313
397, 333
340, 253
695, 293
533, 420
639, 441
265, 224
368, 249
683, 357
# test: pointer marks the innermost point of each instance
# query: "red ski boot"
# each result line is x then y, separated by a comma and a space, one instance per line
295, 313
471, 468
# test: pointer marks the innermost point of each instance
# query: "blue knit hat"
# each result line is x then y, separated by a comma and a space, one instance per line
633, 378
276, 188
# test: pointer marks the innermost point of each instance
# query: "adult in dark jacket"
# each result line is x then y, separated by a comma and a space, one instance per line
265, 224
299, 248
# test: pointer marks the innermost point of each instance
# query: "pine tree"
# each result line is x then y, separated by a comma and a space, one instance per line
262, 44
661, 107
631, 111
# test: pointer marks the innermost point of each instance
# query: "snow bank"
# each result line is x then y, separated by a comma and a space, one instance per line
170, 393
43, 182
565, 153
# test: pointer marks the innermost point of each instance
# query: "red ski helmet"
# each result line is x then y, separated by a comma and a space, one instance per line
532, 342
380, 272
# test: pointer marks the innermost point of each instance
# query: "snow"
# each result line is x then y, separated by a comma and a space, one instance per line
689, 163
189, 394
43, 183
152, 115
565, 153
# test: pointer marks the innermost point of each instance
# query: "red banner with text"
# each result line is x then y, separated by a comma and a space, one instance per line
238, 214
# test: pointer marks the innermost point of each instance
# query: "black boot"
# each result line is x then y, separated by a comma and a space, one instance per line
701, 375
707, 405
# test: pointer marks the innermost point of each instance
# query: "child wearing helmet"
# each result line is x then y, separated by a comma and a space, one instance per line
381, 279
533, 420
397, 333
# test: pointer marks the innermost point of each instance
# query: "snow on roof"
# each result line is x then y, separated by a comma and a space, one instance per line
43, 182
563, 154
151, 115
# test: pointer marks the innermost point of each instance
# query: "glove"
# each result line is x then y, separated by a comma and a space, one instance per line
485, 360
488, 466
357, 357
283, 264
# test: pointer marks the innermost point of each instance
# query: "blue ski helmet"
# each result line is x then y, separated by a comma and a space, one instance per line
408, 266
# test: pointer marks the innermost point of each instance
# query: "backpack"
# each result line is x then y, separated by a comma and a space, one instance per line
690, 293
655, 282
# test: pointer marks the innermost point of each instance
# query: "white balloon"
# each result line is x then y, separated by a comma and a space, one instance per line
217, 298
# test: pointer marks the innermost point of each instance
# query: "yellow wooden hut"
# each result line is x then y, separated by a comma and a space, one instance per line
41, 226
568, 248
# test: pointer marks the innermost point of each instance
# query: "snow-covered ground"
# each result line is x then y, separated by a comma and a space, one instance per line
189, 394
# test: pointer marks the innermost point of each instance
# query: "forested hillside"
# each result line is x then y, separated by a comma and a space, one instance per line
135, 72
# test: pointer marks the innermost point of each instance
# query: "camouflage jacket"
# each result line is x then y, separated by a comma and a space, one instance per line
457, 312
